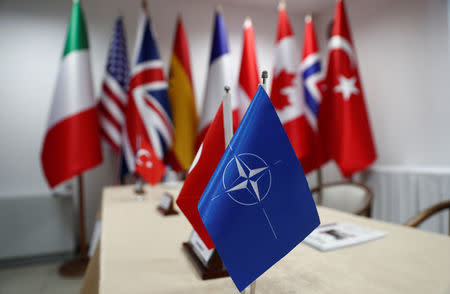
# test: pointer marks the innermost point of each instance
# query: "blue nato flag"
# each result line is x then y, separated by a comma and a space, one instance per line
257, 206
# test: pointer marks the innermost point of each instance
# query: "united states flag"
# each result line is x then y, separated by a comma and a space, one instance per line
113, 99
148, 112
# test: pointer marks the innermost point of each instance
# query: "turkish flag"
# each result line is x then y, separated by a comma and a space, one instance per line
343, 120
148, 165
205, 162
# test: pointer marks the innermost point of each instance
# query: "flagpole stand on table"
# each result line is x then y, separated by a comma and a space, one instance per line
77, 266
139, 189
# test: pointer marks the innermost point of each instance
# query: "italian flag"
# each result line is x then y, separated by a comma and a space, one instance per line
72, 140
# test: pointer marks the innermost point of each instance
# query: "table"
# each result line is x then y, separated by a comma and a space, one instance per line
141, 252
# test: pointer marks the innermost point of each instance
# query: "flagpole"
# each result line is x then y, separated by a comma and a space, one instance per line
264, 77
227, 116
77, 267
319, 184
139, 187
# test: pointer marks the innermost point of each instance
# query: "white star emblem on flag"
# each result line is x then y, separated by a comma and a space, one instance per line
347, 87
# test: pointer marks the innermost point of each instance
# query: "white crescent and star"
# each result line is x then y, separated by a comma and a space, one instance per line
144, 153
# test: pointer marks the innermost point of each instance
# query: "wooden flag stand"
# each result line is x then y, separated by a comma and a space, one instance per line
77, 266
211, 269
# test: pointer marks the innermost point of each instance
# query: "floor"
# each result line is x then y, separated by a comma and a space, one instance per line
37, 279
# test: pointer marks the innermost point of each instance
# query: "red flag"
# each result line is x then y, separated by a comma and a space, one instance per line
148, 165
248, 75
205, 162
343, 120
313, 82
286, 89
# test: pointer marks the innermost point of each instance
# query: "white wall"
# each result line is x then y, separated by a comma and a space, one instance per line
33, 36
402, 47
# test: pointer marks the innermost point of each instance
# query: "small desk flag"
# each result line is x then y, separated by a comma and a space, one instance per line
257, 206
148, 165
205, 162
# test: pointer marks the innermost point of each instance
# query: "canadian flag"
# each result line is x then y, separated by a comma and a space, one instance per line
248, 75
286, 87
148, 165
343, 120
205, 162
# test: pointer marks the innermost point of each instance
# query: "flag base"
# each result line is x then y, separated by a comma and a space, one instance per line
213, 270
74, 268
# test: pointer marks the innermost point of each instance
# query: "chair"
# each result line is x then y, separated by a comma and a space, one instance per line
345, 196
425, 214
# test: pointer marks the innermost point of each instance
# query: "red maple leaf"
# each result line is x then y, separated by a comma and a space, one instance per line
280, 82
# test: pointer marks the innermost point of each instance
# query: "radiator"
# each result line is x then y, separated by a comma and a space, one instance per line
32, 226
401, 192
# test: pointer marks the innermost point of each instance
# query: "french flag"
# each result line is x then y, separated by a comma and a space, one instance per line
313, 87
219, 76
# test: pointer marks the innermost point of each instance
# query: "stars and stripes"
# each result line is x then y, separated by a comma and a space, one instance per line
113, 98
148, 112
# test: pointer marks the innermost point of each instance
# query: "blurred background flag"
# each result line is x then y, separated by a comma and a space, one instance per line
205, 162
72, 140
148, 165
313, 86
343, 120
219, 76
182, 102
286, 93
148, 111
113, 98
257, 206
248, 75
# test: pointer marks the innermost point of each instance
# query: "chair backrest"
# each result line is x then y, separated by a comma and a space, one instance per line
427, 213
345, 196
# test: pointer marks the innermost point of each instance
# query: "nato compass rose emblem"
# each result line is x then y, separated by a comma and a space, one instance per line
247, 180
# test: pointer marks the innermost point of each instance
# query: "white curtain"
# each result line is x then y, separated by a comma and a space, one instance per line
401, 192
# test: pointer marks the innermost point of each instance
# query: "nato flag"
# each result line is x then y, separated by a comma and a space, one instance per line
257, 205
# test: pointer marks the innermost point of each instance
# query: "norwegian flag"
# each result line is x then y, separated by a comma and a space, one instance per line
148, 111
113, 99
248, 75
313, 86
286, 93
343, 120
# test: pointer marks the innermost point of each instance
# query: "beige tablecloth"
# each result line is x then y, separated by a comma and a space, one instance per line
141, 253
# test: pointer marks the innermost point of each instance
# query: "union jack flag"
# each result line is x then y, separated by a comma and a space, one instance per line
148, 112
113, 98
